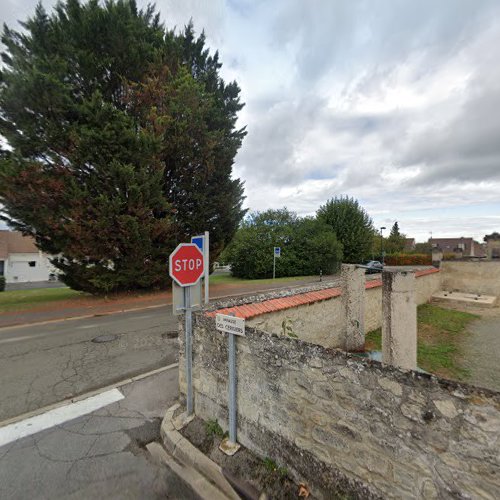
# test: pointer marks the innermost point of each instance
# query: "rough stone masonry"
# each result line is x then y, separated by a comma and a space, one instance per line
338, 421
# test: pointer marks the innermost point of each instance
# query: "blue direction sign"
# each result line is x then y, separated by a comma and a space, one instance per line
198, 241
277, 251
202, 242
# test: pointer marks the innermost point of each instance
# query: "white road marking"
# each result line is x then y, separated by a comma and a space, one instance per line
16, 339
57, 416
86, 327
37, 336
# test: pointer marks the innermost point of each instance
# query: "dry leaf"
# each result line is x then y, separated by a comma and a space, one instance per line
303, 490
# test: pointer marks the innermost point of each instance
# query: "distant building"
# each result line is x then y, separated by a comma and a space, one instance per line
409, 245
492, 245
21, 261
461, 247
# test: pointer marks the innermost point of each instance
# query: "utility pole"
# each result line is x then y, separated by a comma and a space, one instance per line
382, 244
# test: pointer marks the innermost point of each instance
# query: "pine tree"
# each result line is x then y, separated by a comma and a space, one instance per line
395, 234
396, 240
105, 170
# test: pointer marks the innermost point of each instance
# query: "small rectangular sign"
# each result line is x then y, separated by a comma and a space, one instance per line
198, 241
277, 251
230, 324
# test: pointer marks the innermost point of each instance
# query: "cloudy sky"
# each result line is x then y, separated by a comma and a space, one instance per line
394, 102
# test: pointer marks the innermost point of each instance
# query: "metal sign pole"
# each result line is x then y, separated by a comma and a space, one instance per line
206, 254
232, 388
233, 326
274, 264
189, 350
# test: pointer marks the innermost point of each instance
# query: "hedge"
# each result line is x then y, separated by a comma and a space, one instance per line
408, 259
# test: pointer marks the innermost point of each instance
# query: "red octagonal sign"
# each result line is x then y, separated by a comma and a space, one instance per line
186, 264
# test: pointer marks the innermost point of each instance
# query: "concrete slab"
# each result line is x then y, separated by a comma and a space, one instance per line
465, 298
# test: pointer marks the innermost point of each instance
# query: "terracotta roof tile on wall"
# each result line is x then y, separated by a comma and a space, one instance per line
248, 311
15, 242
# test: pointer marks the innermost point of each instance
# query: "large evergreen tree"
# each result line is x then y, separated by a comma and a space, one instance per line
396, 240
121, 139
352, 225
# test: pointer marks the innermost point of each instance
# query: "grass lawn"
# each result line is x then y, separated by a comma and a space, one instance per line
17, 300
227, 278
26, 299
439, 338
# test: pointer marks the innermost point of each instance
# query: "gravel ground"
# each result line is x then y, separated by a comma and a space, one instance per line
482, 350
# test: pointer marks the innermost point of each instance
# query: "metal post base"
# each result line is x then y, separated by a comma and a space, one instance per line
228, 447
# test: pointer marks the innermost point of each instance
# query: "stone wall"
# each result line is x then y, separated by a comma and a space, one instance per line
473, 277
322, 322
337, 421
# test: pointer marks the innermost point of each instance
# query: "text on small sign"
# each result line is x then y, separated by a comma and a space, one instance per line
230, 324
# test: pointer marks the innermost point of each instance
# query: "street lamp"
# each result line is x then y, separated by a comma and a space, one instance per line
382, 244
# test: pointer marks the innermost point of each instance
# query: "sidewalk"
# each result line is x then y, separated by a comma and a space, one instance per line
101, 454
95, 306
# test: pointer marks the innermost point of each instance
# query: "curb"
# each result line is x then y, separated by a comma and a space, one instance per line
180, 449
195, 485
86, 395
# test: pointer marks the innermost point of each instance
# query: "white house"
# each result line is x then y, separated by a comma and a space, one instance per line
21, 261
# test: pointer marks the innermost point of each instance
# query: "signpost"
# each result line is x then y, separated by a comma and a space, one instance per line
232, 326
203, 243
178, 302
277, 253
186, 267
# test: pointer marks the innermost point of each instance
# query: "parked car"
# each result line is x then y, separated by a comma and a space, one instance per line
374, 266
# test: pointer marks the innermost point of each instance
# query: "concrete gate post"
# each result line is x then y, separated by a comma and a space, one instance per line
399, 319
437, 257
353, 306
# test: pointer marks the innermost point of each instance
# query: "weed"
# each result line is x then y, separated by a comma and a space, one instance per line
213, 428
287, 329
273, 467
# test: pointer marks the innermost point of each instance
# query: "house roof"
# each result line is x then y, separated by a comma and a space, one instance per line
15, 242
451, 244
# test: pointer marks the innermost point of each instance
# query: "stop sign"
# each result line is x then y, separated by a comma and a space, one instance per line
186, 264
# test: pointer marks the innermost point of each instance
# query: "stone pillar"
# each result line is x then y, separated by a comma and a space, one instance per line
437, 257
353, 307
399, 319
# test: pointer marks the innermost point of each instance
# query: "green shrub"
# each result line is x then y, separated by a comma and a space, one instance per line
2, 283
408, 259
307, 246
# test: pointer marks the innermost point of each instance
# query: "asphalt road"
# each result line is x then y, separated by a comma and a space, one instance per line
44, 364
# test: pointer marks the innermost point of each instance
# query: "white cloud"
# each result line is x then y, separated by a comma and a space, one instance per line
394, 103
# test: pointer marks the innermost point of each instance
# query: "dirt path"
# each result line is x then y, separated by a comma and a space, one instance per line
481, 350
